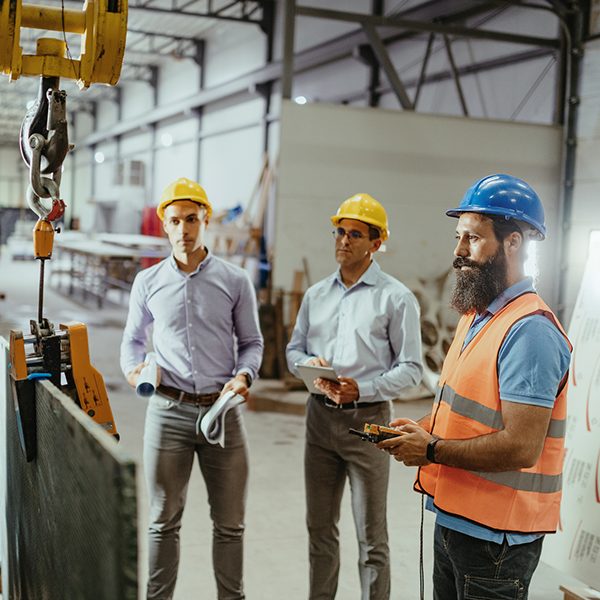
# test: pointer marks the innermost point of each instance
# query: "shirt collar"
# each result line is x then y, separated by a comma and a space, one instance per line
525, 285
199, 268
369, 277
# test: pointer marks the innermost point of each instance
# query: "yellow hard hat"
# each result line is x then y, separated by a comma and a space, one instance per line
366, 209
183, 189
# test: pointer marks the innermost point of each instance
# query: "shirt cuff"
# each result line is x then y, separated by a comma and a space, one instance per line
242, 370
366, 391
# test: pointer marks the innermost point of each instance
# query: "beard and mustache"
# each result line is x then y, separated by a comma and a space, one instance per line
477, 287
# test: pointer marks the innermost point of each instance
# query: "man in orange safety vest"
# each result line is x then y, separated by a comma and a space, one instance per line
490, 454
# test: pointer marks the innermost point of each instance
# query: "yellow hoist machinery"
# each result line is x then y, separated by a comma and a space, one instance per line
59, 355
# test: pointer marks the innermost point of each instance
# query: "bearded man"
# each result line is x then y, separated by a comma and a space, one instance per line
490, 454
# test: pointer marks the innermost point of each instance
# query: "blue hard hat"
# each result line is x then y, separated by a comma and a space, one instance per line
504, 195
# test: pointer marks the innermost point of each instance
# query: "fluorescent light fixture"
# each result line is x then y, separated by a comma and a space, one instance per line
166, 139
99, 157
531, 266
300, 100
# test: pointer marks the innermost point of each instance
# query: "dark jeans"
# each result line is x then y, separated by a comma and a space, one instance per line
466, 568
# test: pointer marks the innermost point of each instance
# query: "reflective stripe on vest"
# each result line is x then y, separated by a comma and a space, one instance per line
467, 405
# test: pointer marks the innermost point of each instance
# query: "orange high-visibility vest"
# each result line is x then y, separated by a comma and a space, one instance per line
467, 404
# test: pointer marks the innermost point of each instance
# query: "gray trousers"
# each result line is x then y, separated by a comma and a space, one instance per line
331, 455
170, 442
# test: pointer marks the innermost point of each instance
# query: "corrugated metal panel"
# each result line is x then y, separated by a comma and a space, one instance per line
71, 513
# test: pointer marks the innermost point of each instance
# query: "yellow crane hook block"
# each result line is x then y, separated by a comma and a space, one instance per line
102, 25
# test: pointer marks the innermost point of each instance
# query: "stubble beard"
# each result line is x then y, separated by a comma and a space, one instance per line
476, 288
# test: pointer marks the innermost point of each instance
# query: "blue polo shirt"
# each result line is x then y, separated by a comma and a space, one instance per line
532, 362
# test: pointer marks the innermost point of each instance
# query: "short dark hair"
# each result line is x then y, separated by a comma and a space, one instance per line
374, 232
503, 227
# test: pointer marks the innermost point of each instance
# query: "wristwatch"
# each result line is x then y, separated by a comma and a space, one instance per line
248, 379
431, 450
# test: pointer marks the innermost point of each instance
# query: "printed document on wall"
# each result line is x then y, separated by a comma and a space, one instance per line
575, 548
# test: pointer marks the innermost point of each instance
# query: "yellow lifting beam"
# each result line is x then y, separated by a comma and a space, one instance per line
102, 25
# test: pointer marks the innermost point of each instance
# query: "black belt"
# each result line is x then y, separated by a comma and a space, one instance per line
197, 399
329, 403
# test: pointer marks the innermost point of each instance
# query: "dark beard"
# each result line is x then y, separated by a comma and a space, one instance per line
475, 289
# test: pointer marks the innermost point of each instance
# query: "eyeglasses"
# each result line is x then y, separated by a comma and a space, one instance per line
353, 236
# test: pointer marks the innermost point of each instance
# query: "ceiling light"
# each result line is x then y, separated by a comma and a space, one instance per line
300, 100
99, 157
166, 139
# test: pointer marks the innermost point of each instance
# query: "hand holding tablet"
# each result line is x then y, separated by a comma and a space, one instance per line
309, 373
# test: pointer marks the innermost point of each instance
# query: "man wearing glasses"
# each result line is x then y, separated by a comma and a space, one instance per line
364, 324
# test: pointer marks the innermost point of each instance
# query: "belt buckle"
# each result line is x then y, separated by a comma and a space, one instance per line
331, 404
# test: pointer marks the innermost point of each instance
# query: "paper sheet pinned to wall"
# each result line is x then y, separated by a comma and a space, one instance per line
575, 548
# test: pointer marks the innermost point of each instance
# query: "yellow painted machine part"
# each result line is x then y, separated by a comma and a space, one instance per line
377, 429
43, 239
52, 18
91, 390
18, 362
102, 46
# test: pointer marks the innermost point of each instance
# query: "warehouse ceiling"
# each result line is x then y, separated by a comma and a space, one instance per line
164, 30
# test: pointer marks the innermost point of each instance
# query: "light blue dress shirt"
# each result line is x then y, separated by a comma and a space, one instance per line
369, 332
532, 361
205, 324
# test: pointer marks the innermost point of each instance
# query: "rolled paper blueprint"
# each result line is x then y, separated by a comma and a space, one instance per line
213, 422
146, 386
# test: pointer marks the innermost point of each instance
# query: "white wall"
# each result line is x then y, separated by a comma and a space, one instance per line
418, 166
14, 177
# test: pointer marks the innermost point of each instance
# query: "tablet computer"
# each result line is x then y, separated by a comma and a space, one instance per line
309, 373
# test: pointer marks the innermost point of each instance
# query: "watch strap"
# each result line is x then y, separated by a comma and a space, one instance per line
431, 450
248, 379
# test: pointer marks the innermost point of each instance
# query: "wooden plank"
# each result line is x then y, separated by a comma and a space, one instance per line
263, 167
264, 195
295, 299
579, 593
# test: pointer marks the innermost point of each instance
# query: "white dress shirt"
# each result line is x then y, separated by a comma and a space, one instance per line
369, 332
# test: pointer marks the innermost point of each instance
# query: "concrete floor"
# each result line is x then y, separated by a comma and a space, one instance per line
276, 542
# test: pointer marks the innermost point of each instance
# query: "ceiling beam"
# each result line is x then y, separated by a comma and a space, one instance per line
425, 26
328, 52
472, 69
246, 17
387, 65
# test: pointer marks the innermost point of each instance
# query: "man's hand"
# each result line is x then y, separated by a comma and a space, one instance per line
346, 390
318, 361
517, 446
410, 448
342, 392
236, 385
133, 376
